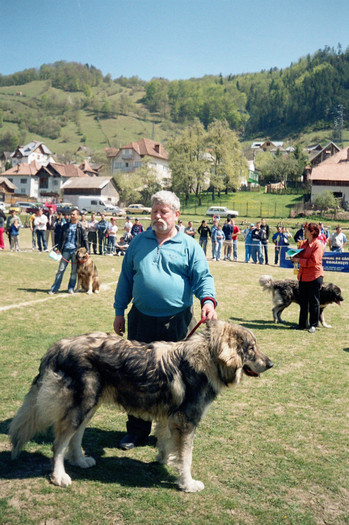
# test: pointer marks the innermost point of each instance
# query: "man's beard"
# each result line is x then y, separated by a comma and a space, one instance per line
159, 225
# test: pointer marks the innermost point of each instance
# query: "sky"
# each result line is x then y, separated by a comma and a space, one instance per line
174, 39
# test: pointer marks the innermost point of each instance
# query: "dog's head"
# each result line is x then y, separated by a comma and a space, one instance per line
236, 350
331, 293
81, 254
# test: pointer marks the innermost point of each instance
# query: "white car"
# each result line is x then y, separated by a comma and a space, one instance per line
221, 211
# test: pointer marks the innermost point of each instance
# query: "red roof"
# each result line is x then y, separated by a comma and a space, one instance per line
146, 147
24, 169
335, 168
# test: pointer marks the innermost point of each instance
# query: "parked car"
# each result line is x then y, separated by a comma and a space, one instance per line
22, 205
31, 208
117, 212
221, 211
138, 208
64, 207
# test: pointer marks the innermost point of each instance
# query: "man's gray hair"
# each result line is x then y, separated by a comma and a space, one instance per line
166, 197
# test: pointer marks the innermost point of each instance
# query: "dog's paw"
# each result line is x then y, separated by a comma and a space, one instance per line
192, 486
89, 292
61, 480
96, 291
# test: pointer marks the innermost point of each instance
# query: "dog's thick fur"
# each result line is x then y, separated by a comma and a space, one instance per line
171, 383
88, 280
287, 291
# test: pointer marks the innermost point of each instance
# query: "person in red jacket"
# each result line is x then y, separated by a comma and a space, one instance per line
310, 276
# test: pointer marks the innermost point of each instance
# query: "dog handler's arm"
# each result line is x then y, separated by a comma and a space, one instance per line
208, 311
119, 324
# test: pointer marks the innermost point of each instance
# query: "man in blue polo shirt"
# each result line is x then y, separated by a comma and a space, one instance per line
162, 269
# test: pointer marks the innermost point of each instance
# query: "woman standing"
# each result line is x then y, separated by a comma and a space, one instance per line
2, 229
310, 276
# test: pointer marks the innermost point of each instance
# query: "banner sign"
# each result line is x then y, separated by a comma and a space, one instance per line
331, 261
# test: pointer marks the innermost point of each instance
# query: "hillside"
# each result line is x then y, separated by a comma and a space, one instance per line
69, 104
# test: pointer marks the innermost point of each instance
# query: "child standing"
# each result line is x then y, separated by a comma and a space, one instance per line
15, 236
218, 239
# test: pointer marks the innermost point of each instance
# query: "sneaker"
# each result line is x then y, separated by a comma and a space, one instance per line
312, 330
51, 292
71, 291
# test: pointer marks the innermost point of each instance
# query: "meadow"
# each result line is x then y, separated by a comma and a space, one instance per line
272, 450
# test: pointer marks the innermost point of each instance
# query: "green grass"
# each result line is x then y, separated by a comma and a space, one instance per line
272, 450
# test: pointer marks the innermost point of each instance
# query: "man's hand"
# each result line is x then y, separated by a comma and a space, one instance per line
208, 311
119, 325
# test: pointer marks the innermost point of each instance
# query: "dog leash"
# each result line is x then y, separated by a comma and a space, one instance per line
202, 320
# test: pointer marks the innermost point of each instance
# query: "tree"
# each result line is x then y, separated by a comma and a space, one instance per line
325, 200
188, 164
229, 165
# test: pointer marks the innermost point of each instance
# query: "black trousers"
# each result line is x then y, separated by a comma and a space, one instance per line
146, 329
92, 241
310, 302
265, 248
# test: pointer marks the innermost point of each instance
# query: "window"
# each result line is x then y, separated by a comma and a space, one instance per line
23, 181
43, 184
94, 203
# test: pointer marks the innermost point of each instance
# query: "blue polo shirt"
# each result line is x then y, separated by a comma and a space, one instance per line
161, 280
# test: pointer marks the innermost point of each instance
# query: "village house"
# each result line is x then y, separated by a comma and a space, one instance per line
128, 159
332, 175
316, 156
97, 186
7, 190
34, 151
41, 182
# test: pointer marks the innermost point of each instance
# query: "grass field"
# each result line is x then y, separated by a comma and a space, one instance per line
273, 450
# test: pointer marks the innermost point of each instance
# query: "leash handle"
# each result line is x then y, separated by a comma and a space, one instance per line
202, 320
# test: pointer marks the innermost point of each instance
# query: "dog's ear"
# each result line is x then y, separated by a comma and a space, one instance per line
229, 356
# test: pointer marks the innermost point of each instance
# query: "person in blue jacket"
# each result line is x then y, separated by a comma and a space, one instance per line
161, 272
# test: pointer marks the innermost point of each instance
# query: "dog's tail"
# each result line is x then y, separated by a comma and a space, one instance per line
267, 282
39, 411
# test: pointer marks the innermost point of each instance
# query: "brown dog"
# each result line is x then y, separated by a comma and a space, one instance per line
88, 280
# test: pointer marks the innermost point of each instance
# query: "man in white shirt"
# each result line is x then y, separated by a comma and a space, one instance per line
40, 223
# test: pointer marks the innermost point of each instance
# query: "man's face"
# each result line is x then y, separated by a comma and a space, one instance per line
163, 218
102, 216
74, 215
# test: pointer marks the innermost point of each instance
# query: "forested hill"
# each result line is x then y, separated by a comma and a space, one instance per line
72, 103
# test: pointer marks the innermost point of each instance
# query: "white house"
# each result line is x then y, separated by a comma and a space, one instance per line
332, 175
99, 186
42, 182
34, 151
129, 158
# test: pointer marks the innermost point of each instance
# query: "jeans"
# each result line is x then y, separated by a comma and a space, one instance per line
235, 249
218, 249
111, 244
102, 243
67, 255
41, 236
265, 248
203, 243
33, 239
277, 253
247, 252
256, 251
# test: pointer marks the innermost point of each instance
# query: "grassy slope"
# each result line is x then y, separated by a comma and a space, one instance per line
120, 130
270, 451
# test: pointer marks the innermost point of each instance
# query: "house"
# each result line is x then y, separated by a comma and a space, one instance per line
34, 151
128, 159
41, 182
89, 170
332, 175
7, 189
100, 186
23, 176
268, 145
52, 177
317, 156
